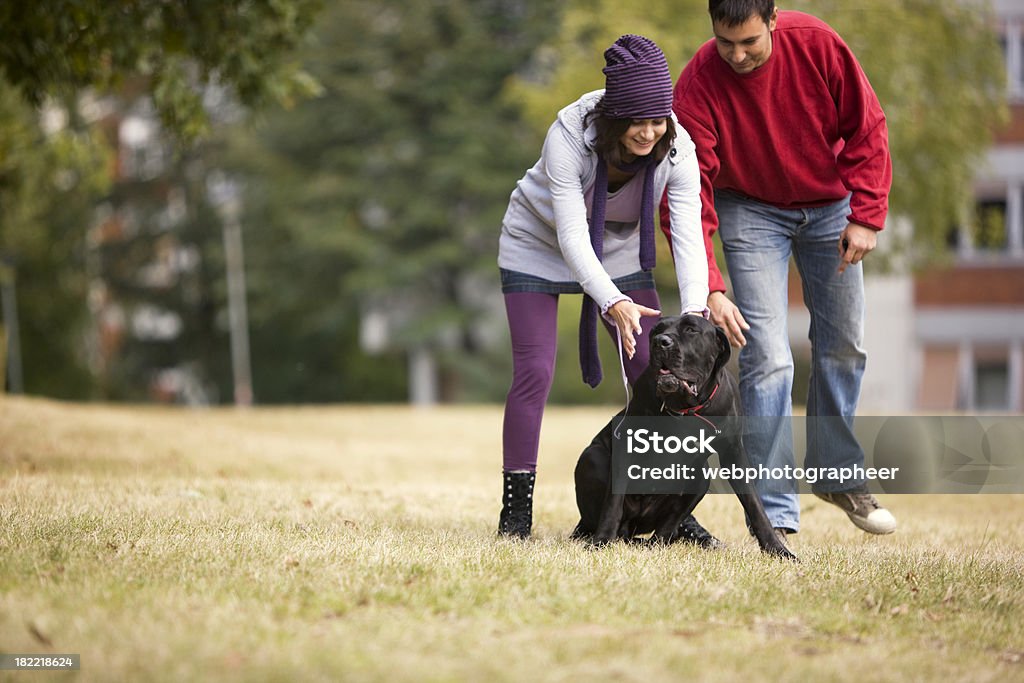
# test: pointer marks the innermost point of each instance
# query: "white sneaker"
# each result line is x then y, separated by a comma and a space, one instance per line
862, 509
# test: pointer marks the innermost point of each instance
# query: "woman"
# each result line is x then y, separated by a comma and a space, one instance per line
582, 221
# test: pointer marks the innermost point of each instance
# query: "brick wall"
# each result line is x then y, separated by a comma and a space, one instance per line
970, 286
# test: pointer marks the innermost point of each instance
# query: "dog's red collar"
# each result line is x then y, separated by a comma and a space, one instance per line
695, 410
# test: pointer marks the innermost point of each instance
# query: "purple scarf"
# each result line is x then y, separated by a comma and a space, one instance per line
590, 362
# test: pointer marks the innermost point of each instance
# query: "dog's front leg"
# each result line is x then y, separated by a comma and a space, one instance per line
759, 524
611, 517
754, 508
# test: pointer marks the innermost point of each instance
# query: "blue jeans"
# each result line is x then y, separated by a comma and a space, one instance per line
758, 241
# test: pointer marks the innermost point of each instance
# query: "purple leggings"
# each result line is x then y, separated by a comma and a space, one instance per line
532, 321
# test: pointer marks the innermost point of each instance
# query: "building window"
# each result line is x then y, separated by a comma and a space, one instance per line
992, 384
995, 226
992, 377
988, 229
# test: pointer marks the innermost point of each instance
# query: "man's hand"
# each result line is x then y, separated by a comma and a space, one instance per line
626, 315
856, 242
726, 315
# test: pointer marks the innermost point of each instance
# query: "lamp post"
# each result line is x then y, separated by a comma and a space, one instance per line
225, 194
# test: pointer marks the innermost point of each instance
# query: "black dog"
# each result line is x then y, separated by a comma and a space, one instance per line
685, 376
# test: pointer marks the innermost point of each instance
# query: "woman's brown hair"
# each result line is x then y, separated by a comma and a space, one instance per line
609, 131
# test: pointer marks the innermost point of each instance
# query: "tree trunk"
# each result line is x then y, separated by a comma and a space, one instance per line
3, 359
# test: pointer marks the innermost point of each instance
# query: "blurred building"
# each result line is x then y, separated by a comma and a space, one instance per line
952, 339
144, 268
969, 319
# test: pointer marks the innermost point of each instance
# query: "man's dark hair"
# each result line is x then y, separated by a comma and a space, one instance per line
609, 131
736, 12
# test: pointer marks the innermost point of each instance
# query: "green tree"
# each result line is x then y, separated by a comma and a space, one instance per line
52, 52
47, 182
49, 47
156, 255
382, 199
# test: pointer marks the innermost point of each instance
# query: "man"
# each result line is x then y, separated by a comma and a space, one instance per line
793, 151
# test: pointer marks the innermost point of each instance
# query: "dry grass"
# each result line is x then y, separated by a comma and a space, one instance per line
351, 543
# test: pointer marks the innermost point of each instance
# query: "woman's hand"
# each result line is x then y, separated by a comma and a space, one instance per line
626, 316
726, 315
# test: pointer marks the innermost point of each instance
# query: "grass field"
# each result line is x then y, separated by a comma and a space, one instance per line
352, 543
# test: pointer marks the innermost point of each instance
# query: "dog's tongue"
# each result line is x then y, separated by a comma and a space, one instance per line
668, 383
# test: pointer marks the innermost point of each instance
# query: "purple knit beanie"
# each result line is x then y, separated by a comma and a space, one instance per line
638, 84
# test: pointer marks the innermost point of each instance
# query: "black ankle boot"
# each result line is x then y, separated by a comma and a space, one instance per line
517, 504
690, 531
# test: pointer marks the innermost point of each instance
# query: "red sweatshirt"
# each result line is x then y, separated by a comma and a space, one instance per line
804, 129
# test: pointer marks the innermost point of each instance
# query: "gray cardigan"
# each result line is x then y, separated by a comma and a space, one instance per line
545, 231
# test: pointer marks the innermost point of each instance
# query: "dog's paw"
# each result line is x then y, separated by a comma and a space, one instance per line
782, 552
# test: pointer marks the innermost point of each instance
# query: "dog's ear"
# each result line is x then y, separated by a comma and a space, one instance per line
724, 350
